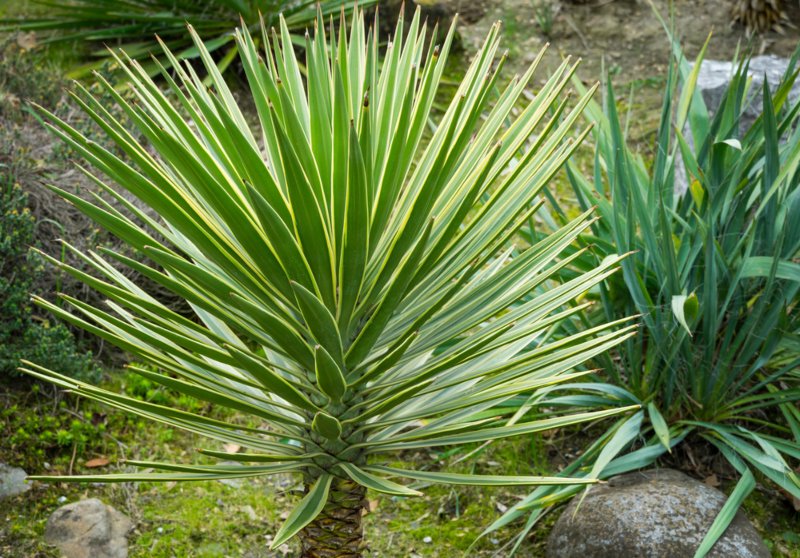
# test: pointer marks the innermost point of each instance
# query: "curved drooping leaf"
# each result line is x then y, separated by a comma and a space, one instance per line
132, 24
305, 512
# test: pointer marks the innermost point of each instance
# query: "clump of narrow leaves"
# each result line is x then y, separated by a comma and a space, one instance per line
715, 277
352, 273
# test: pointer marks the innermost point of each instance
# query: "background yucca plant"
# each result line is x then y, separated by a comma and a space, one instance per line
715, 277
131, 24
351, 273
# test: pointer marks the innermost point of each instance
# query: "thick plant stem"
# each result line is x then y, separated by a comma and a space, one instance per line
337, 531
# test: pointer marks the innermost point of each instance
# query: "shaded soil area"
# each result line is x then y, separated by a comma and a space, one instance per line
621, 38
624, 35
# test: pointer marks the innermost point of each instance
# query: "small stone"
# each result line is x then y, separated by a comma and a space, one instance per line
233, 483
250, 512
652, 513
88, 529
427, 540
714, 78
12, 481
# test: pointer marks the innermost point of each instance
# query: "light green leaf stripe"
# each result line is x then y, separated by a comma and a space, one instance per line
477, 480
305, 512
375, 482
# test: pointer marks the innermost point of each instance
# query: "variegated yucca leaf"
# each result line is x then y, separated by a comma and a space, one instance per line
351, 271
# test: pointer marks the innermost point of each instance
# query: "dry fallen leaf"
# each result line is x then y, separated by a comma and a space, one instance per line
712, 480
232, 448
11, 99
26, 41
97, 462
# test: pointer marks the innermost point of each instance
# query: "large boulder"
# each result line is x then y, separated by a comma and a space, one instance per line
715, 76
12, 481
713, 80
89, 529
653, 514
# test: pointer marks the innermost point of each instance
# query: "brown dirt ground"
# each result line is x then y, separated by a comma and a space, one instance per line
622, 37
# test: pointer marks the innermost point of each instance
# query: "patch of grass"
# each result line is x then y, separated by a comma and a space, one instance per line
210, 519
543, 12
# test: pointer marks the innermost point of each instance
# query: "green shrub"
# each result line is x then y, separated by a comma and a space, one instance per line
23, 334
713, 273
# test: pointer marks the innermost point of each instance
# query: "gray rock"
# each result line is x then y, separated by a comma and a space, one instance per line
12, 481
233, 483
713, 80
654, 514
714, 77
89, 529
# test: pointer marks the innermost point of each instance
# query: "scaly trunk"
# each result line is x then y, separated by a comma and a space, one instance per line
337, 531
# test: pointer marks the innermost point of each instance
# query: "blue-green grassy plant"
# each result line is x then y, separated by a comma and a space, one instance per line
713, 273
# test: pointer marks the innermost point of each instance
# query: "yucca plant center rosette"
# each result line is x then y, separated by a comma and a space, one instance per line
350, 266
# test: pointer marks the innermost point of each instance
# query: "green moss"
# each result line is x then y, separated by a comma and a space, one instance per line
775, 518
206, 519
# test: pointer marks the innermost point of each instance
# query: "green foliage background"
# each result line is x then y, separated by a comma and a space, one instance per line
23, 334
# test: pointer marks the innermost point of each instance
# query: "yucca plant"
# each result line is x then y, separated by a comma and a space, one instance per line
131, 24
351, 272
715, 277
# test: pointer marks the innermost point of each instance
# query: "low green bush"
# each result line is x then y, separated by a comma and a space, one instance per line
23, 333
712, 272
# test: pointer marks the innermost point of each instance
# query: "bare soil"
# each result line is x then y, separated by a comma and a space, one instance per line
625, 35
623, 38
